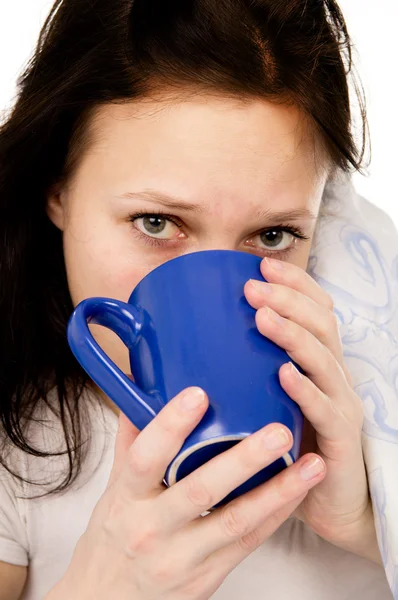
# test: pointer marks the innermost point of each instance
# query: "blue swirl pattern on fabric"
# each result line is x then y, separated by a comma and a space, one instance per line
354, 257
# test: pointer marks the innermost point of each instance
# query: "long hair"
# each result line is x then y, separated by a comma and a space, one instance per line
92, 52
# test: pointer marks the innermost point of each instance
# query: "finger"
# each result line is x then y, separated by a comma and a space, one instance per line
209, 484
159, 442
231, 556
299, 308
322, 412
238, 528
225, 560
306, 350
126, 435
314, 404
277, 271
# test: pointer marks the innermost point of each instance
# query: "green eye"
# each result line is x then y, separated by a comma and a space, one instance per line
154, 224
276, 239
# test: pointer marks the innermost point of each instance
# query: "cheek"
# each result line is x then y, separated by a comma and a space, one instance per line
101, 264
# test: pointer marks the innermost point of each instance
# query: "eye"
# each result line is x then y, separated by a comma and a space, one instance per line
156, 226
275, 239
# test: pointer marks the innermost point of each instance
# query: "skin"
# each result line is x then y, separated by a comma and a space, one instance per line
228, 166
187, 150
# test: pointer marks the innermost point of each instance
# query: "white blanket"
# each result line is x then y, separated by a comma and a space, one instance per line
355, 258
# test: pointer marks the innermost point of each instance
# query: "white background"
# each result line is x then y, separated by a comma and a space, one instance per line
373, 28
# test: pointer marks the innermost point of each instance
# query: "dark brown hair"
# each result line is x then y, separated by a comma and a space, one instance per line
92, 52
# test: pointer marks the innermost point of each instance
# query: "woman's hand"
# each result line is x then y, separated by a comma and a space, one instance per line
297, 314
146, 541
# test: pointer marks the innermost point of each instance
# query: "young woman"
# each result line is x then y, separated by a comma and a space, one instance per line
144, 130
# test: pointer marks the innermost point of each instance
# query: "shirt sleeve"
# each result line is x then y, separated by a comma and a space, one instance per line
13, 536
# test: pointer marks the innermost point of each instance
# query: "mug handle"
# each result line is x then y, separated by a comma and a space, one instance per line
124, 320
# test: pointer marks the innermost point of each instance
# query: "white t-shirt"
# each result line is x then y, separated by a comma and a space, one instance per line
42, 533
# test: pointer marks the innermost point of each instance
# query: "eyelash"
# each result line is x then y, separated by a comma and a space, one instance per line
288, 228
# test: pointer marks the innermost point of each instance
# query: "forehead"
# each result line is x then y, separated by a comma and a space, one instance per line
205, 145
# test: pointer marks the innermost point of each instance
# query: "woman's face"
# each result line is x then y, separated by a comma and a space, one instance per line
161, 179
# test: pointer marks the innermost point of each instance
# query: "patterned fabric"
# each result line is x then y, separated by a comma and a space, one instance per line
354, 257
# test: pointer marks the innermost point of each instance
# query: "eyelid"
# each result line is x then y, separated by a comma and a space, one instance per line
154, 213
294, 230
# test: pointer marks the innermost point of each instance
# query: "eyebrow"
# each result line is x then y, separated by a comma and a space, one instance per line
175, 203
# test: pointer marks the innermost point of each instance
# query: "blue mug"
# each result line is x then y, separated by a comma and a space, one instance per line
188, 323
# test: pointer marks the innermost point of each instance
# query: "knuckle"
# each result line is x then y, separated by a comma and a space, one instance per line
168, 425
195, 588
142, 541
164, 573
284, 490
114, 513
328, 326
138, 463
249, 453
329, 302
233, 523
334, 319
197, 492
169, 429
250, 541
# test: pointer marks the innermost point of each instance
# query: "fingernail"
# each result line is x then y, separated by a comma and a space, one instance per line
311, 468
261, 287
294, 371
276, 438
274, 264
192, 398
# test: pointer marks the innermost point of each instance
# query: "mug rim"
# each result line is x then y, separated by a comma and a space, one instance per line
252, 257
173, 468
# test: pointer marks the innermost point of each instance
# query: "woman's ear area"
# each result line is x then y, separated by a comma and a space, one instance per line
56, 207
